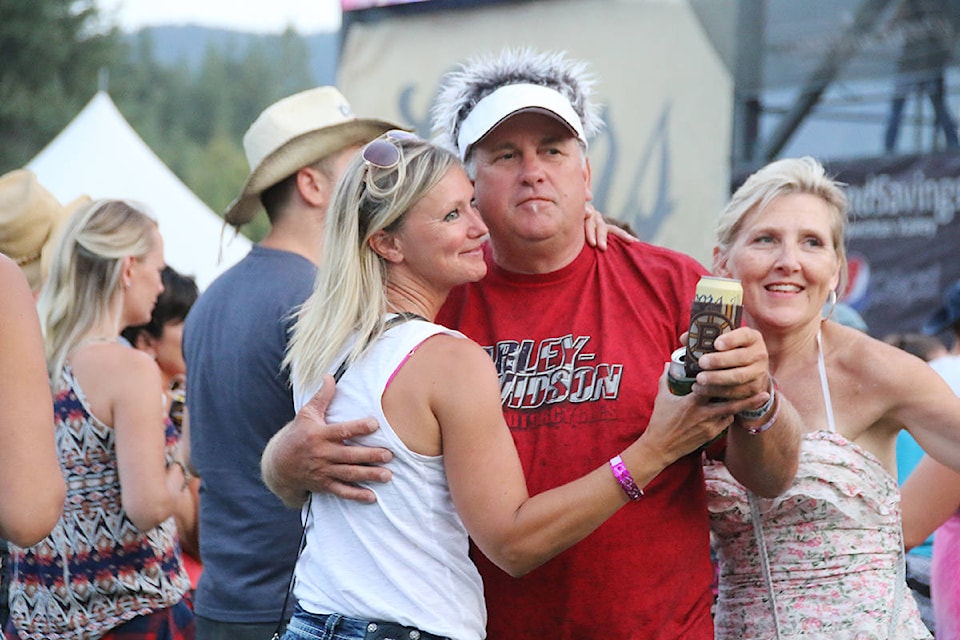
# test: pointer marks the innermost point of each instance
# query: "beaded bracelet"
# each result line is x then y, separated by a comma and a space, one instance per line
622, 474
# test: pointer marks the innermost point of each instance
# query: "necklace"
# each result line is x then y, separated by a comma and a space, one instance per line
93, 340
402, 316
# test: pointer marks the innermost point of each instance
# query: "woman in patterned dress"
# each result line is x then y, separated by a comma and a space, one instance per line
111, 568
162, 339
824, 559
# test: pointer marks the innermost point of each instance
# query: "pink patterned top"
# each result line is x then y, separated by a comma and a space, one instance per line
833, 546
96, 570
834, 550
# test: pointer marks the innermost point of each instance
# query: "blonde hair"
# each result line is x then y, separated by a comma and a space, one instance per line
85, 273
782, 177
349, 299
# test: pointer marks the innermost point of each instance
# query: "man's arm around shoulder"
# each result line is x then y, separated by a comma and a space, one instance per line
309, 455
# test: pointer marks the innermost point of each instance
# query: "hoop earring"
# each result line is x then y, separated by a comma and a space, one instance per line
832, 302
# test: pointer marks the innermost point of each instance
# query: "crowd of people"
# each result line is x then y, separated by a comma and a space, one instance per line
432, 402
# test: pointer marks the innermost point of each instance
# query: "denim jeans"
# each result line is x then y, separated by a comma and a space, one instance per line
308, 626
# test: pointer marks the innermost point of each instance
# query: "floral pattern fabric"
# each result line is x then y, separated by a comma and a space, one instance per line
834, 546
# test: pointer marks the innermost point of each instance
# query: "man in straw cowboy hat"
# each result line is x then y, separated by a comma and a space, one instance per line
234, 341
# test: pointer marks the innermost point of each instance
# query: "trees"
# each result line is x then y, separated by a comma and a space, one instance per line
192, 109
51, 51
194, 113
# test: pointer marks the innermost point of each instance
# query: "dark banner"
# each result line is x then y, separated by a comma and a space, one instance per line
903, 237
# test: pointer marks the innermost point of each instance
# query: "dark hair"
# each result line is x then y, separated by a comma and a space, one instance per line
275, 197
923, 346
622, 224
179, 294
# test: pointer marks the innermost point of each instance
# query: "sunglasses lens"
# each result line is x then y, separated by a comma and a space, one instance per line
381, 153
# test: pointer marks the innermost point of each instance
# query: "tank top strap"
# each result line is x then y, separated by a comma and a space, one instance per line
824, 385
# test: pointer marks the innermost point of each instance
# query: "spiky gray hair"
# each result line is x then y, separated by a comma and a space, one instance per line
478, 77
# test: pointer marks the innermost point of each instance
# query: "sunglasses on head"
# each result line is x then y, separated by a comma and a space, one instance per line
382, 152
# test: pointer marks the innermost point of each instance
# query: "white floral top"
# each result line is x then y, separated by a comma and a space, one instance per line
833, 546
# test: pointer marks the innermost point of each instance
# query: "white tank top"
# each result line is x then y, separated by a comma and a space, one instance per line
403, 559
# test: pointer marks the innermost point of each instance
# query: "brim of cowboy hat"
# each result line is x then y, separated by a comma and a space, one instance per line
299, 152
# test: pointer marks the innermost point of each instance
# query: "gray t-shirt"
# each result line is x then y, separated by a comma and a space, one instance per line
238, 397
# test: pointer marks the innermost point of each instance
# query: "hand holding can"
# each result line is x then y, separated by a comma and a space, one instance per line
717, 309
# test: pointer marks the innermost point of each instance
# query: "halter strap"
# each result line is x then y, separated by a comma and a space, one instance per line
824, 386
900, 580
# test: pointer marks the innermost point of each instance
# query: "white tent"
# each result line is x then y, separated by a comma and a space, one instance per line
100, 155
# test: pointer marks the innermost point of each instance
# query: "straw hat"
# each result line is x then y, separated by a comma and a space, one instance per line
293, 133
29, 220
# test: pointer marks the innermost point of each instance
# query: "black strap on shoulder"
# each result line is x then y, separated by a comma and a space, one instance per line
342, 369
399, 318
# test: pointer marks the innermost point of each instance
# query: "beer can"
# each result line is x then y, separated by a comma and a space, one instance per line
677, 380
717, 308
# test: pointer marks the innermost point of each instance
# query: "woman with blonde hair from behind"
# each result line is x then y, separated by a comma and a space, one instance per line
111, 568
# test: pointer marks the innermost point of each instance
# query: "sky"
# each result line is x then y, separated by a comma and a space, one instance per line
256, 16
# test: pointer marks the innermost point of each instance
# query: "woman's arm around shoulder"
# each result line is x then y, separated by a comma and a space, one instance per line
517, 532
31, 481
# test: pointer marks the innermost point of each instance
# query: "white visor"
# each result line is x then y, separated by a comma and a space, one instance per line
509, 100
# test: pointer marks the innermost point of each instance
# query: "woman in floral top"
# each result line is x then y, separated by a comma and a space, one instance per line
825, 558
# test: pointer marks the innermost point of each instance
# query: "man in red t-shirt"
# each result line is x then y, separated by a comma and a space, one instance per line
580, 338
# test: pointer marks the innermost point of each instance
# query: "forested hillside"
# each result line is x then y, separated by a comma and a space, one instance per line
190, 92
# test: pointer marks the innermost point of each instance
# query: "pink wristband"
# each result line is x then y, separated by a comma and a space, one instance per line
622, 474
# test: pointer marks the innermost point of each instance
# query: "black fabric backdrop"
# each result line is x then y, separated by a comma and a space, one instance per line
903, 238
